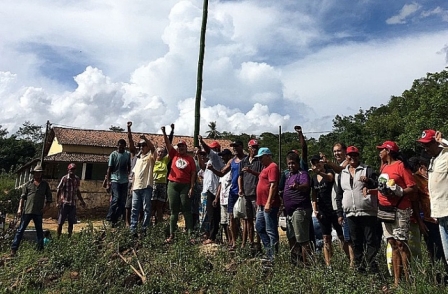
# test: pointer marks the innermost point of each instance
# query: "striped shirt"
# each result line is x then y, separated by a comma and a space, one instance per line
68, 188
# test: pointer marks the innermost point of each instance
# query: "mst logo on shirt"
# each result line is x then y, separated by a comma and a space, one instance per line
181, 163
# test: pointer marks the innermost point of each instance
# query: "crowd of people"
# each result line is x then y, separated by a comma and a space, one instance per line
243, 195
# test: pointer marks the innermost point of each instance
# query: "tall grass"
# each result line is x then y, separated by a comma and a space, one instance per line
89, 263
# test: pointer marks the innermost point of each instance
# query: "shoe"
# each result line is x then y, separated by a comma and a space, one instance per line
13, 253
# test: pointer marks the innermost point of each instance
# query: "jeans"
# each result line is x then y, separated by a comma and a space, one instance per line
26, 218
141, 198
443, 227
266, 225
363, 234
118, 201
434, 242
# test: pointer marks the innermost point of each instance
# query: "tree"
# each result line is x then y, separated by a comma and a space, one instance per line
213, 133
31, 132
15, 152
3, 132
116, 129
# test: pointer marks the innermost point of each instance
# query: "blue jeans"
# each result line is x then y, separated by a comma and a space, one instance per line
266, 225
141, 198
116, 208
26, 218
443, 227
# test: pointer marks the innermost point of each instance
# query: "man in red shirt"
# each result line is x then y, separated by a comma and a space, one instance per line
268, 202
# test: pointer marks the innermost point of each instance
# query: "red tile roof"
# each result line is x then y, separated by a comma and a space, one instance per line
77, 157
101, 138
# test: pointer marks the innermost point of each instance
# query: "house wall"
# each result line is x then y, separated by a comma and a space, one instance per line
95, 196
87, 149
55, 147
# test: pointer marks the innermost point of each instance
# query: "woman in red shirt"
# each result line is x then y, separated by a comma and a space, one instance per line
395, 184
181, 180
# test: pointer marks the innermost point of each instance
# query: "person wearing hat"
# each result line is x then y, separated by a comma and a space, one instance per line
67, 192
35, 200
250, 168
395, 185
268, 202
210, 186
233, 165
436, 147
118, 169
360, 208
181, 180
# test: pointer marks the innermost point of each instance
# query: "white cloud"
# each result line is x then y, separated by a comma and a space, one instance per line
406, 11
436, 11
267, 63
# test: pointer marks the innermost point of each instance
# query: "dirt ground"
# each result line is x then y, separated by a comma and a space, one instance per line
52, 224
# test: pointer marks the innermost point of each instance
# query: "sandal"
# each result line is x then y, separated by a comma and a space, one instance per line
168, 240
208, 241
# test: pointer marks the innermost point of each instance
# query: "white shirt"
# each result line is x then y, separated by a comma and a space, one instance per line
438, 184
211, 180
225, 188
142, 170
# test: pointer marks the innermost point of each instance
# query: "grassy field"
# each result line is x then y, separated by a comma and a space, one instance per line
99, 261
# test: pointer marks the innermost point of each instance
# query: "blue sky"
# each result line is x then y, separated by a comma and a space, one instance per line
93, 64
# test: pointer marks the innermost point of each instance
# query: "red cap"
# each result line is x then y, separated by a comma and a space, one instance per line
392, 146
352, 149
214, 144
181, 142
427, 136
71, 166
253, 142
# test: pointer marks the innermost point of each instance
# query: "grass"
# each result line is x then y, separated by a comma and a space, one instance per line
89, 262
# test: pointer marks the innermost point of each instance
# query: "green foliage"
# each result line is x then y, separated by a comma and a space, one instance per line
15, 152
116, 129
89, 263
9, 197
213, 133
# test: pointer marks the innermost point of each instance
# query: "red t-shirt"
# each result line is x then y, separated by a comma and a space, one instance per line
403, 178
181, 167
270, 174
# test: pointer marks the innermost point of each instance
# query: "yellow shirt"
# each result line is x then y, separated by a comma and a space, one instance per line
143, 170
161, 170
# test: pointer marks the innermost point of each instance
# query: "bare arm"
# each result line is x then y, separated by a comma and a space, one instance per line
223, 171
204, 145
167, 140
171, 136
148, 142
131, 141
302, 142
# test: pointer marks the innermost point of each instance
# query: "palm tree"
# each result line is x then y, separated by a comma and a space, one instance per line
213, 133
197, 111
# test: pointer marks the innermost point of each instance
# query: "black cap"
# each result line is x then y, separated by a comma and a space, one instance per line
315, 158
225, 152
236, 143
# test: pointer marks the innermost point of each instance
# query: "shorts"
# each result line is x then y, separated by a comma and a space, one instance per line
67, 212
128, 204
298, 225
224, 215
159, 192
231, 202
327, 221
399, 229
251, 207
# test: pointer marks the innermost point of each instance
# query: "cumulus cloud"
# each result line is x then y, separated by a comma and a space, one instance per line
267, 63
406, 11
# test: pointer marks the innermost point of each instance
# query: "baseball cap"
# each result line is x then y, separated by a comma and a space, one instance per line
71, 166
236, 143
181, 142
352, 149
427, 136
225, 152
253, 142
391, 145
214, 144
315, 158
263, 151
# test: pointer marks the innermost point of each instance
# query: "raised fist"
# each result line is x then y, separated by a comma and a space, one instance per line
129, 124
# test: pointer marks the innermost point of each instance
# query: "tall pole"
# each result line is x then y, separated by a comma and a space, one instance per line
280, 147
197, 112
47, 127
